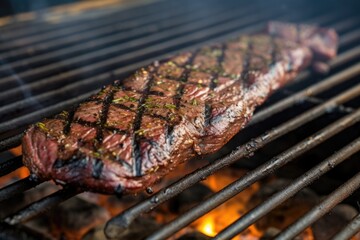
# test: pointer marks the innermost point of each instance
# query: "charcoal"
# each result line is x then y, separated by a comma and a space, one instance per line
76, 217
8, 232
189, 198
338, 218
194, 236
287, 212
139, 229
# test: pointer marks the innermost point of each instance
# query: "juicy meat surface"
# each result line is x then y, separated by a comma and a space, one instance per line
136, 130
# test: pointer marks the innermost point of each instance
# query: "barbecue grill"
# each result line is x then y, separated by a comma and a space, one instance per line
48, 64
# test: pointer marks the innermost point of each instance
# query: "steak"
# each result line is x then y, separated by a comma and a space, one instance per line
134, 131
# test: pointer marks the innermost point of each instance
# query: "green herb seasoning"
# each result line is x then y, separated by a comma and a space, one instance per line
170, 106
42, 126
150, 104
140, 132
124, 99
194, 102
64, 114
233, 76
216, 53
171, 63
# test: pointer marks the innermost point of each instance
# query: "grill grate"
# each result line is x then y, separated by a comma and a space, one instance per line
45, 69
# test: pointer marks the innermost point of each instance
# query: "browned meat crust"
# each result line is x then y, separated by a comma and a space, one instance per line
135, 131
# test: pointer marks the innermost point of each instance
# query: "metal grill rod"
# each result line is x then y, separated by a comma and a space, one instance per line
18, 187
340, 59
282, 129
122, 221
41, 22
53, 45
347, 24
42, 205
162, 21
29, 118
16, 106
350, 37
350, 230
10, 142
12, 31
322, 86
80, 47
7, 166
60, 80
29, 211
9, 232
324, 207
67, 76
61, 33
146, 40
71, 74
314, 90
251, 177
310, 91
25, 119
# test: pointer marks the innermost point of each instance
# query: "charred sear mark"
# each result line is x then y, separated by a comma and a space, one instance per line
104, 114
119, 191
214, 78
122, 162
97, 101
156, 93
208, 110
274, 53
137, 123
180, 90
121, 106
246, 65
85, 123
70, 118
73, 162
98, 166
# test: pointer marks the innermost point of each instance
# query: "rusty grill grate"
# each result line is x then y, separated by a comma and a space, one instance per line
47, 67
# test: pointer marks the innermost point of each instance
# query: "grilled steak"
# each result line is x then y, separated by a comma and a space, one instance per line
135, 131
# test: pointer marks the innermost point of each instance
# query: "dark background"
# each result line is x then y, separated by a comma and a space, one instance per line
10, 7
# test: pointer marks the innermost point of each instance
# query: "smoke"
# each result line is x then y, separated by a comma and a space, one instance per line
26, 92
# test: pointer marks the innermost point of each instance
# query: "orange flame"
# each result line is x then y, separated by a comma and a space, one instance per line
207, 226
221, 217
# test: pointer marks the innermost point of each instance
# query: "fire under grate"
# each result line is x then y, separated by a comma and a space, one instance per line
47, 67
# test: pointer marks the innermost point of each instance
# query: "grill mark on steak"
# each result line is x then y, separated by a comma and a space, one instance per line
69, 119
104, 114
98, 164
180, 90
246, 63
137, 124
213, 83
133, 132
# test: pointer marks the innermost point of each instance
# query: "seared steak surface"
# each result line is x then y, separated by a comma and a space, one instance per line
136, 130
